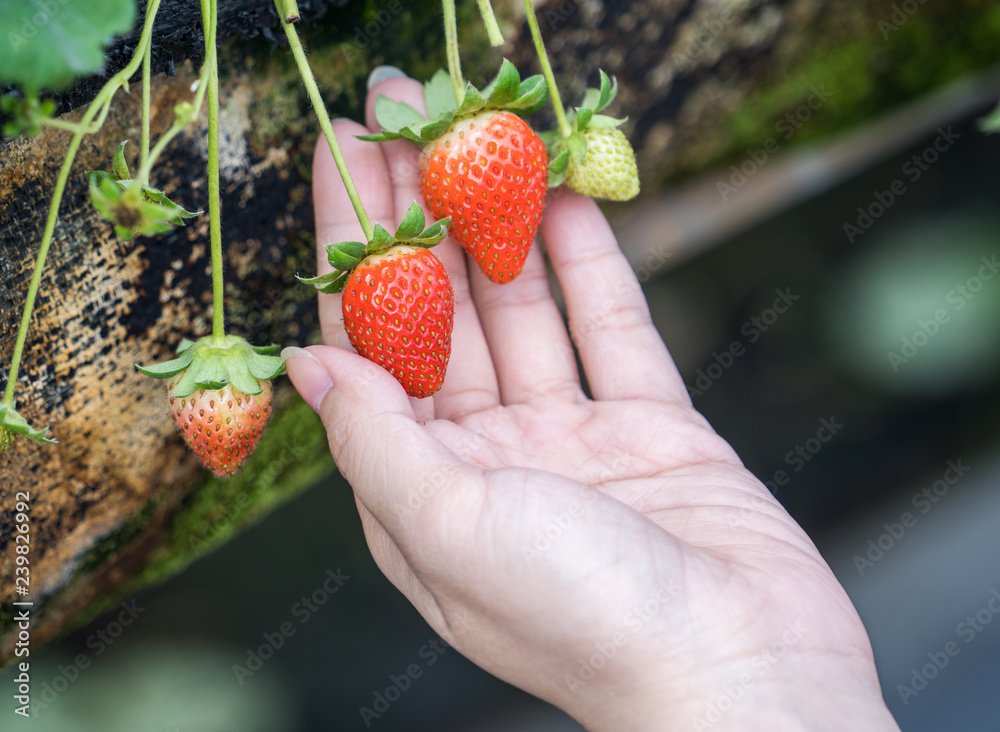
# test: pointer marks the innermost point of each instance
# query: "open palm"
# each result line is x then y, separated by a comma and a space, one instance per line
608, 554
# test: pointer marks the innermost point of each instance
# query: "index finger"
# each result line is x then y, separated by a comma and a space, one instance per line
336, 220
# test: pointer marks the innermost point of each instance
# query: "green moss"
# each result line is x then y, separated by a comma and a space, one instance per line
292, 456
842, 72
868, 73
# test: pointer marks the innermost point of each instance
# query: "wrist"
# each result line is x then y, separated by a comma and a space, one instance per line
831, 701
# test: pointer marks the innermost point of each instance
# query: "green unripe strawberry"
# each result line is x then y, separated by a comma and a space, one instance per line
608, 170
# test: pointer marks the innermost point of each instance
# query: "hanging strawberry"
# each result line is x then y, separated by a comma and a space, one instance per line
595, 159
482, 165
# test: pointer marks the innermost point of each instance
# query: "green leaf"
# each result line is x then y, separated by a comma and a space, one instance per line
603, 121
550, 138
608, 92
12, 423
530, 96
433, 234
119, 164
266, 351
48, 43
473, 101
168, 369
433, 129
560, 163
240, 377
380, 137
557, 169
186, 385
346, 255
598, 99
393, 116
381, 239
439, 95
412, 223
265, 367
576, 144
209, 373
505, 87
583, 117
330, 283
174, 213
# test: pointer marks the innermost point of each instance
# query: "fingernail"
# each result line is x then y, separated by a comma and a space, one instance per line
308, 375
296, 352
384, 73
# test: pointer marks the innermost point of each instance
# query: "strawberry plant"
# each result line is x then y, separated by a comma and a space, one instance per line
398, 301
484, 174
481, 166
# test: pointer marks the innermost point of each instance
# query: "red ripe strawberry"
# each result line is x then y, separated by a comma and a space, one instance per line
222, 426
489, 173
399, 309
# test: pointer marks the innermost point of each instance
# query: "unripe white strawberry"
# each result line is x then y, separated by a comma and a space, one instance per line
609, 170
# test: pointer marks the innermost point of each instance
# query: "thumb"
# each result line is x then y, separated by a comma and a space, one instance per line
373, 434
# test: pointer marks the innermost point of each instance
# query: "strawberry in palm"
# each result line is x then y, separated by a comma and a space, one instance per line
398, 301
482, 165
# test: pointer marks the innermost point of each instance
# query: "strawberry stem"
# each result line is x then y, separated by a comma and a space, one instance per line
490, 21
99, 109
451, 43
565, 129
146, 62
209, 12
181, 121
324, 121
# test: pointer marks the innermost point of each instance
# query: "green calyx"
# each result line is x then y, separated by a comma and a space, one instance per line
507, 92
212, 364
564, 149
13, 424
347, 255
134, 208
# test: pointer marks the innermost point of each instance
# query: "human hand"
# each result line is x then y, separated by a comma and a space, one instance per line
611, 554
